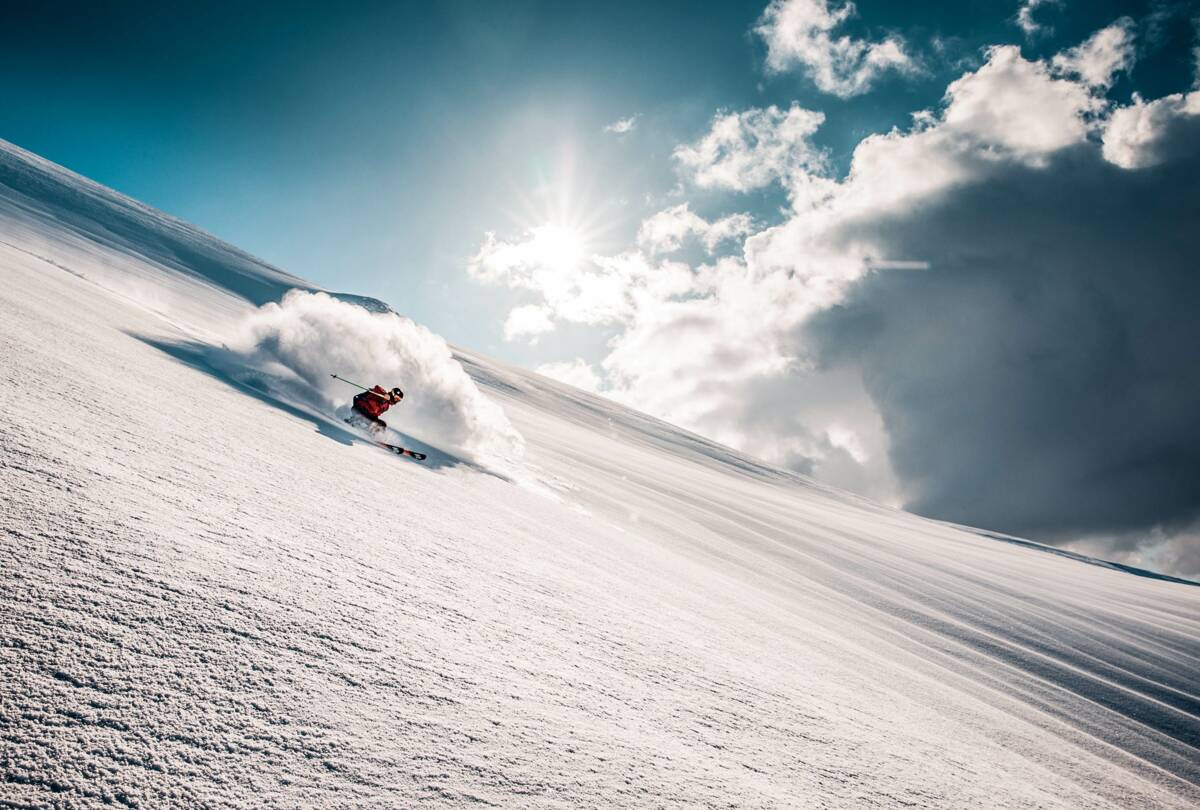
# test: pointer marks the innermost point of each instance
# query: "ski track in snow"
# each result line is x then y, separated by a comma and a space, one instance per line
213, 599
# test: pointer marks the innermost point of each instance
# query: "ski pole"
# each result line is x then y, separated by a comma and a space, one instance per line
356, 385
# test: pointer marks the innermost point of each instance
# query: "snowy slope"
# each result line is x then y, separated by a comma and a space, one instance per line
212, 593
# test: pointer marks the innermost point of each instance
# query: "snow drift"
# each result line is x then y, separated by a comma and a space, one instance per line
294, 346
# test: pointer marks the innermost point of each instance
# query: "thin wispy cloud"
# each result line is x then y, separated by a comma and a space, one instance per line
623, 126
1026, 21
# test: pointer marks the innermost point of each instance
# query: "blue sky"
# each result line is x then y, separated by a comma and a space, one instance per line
368, 146
899, 246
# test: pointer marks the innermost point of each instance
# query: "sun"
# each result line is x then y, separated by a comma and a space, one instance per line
558, 246
568, 213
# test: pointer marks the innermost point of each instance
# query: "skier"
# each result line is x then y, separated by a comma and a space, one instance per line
374, 401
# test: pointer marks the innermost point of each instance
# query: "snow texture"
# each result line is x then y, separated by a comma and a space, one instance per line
214, 595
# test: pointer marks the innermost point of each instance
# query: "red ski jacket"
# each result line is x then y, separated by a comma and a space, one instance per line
373, 402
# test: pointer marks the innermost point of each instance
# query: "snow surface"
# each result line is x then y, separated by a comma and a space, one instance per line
214, 594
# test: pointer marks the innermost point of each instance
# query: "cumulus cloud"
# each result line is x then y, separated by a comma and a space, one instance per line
293, 346
1145, 134
799, 33
987, 318
1015, 107
746, 150
622, 126
577, 372
1038, 378
1105, 53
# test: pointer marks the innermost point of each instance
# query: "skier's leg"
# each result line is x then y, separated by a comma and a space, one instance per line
373, 424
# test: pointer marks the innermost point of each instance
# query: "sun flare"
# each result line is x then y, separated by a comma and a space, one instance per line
558, 246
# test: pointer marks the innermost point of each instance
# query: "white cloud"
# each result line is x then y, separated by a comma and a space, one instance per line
577, 372
1104, 54
751, 149
622, 126
1145, 134
1027, 23
1018, 107
800, 33
727, 228
1008, 109
528, 321
666, 231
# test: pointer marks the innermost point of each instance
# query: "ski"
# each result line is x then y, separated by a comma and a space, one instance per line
393, 448
401, 451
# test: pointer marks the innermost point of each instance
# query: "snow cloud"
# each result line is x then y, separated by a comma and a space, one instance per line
293, 346
799, 33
